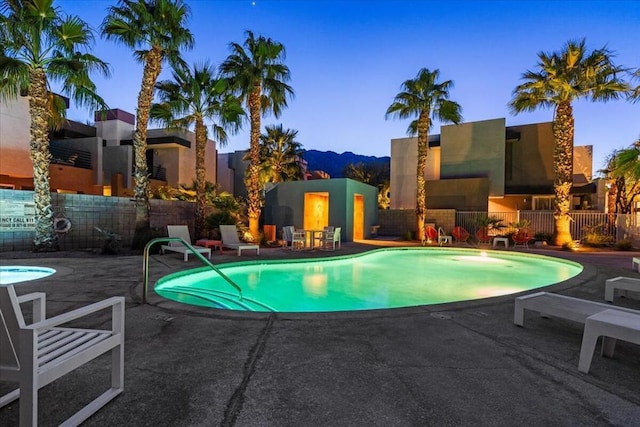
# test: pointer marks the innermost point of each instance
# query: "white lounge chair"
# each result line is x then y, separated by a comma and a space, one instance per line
37, 354
182, 231
230, 240
623, 283
599, 319
562, 306
611, 325
443, 238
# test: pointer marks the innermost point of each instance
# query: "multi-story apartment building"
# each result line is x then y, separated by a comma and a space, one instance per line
488, 166
96, 158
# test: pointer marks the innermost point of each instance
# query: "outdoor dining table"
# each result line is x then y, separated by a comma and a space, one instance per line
310, 237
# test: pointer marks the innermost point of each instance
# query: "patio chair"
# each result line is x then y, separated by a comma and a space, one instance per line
37, 354
443, 237
522, 237
299, 240
430, 235
460, 234
287, 235
182, 231
622, 283
230, 240
482, 235
329, 239
599, 319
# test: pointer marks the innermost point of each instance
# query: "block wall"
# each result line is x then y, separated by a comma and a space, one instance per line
397, 222
116, 214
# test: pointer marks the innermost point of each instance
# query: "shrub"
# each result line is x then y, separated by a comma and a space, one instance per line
595, 236
568, 246
624, 245
217, 219
543, 237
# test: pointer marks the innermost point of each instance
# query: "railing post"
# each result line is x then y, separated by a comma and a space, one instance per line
145, 264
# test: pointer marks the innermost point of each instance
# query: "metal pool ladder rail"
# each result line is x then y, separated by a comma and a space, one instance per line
145, 264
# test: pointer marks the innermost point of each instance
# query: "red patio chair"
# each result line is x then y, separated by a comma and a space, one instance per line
522, 237
430, 235
460, 234
482, 235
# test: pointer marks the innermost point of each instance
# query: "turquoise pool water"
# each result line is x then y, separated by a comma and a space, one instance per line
383, 278
18, 273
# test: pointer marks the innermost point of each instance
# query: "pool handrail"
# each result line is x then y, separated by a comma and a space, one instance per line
145, 264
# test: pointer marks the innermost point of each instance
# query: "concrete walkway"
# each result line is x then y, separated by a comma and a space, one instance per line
451, 364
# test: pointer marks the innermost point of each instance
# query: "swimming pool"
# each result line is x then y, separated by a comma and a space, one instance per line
379, 279
20, 273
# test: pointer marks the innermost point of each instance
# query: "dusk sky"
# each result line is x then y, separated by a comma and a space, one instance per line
349, 58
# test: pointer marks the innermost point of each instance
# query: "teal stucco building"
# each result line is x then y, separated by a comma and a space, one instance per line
315, 204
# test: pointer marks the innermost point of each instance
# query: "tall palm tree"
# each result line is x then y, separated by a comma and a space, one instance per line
194, 97
260, 77
280, 154
39, 44
561, 78
426, 99
635, 93
156, 31
623, 172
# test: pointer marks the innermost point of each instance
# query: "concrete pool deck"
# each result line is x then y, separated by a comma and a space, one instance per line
450, 364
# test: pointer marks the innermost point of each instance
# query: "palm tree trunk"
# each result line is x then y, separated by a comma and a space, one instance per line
201, 145
421, 195
152, 68
563, 128
252, 179
623, 203
612, 196
45, 239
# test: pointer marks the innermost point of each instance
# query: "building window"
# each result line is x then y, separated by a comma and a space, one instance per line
542, 203
508, 161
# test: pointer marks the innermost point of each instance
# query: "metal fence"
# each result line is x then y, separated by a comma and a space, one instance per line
617, 226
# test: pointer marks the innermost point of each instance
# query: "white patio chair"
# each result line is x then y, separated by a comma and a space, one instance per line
37, 354
299, 240
182, 231
287, 235
230, 240
329, 240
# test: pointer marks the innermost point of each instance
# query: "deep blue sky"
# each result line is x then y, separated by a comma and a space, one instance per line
349, 58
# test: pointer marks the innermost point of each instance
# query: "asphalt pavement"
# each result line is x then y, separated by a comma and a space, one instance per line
453, 364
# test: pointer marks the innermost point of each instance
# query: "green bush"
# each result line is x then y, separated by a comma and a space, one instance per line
216, 219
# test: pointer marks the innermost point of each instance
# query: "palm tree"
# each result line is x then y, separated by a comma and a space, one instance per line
624, 170
280, 154
156, 31
38, 45
426, 99
635, 93
260, 77
376, 174
563, 77
193, 97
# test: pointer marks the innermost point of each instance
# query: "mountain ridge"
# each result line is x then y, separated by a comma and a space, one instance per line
334, 163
